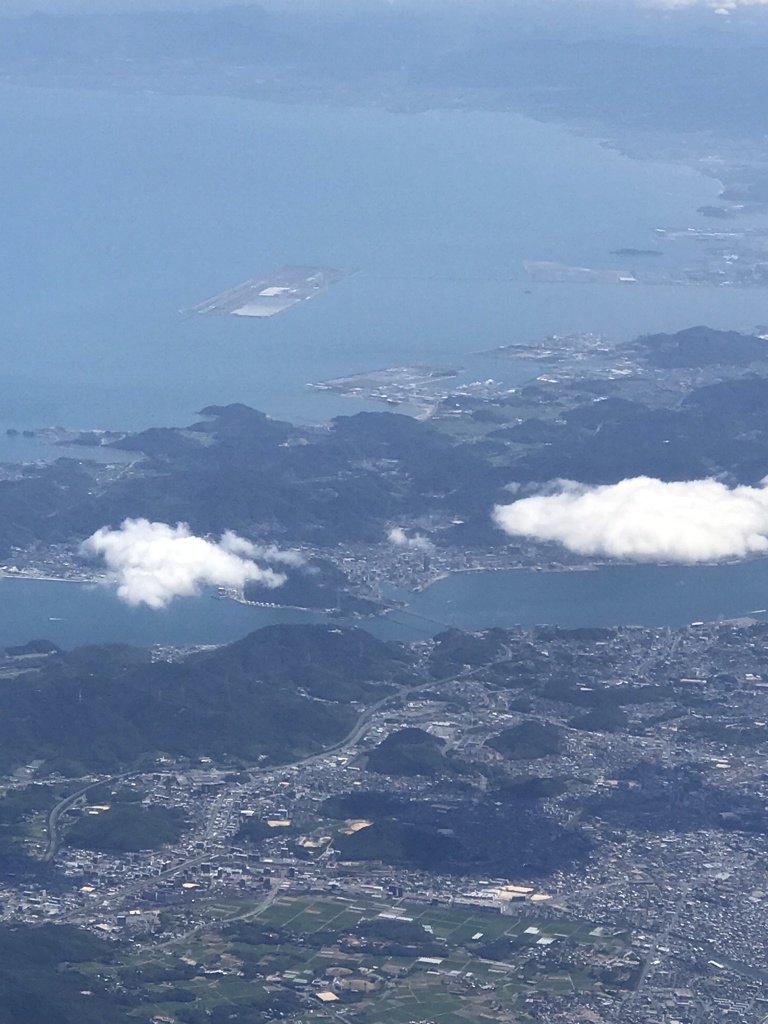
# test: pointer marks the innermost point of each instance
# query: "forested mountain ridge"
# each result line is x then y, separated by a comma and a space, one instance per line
278, 694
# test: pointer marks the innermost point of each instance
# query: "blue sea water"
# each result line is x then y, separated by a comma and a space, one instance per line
610, 595
70, 614
117, 211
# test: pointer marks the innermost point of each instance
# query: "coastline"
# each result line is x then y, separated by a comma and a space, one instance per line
23, 574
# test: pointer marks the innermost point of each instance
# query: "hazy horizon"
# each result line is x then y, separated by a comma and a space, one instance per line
64, 7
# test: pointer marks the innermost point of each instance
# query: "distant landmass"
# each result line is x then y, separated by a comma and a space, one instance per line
575, 67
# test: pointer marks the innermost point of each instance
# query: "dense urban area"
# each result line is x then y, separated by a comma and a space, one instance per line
533, 825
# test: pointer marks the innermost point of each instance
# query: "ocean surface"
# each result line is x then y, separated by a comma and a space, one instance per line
118, 211
70, 614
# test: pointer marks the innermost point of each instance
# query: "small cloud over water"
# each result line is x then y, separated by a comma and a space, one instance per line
152, 563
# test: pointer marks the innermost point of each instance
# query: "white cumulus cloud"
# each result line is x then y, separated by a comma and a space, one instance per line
267, 552
400, 539
646, 520
151, 563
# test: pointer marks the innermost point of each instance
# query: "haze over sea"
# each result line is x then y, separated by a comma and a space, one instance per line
120, 210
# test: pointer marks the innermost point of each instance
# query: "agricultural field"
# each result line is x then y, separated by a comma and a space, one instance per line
340, 959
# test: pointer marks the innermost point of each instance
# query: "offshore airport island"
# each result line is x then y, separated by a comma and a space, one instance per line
267, 296
510, 824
